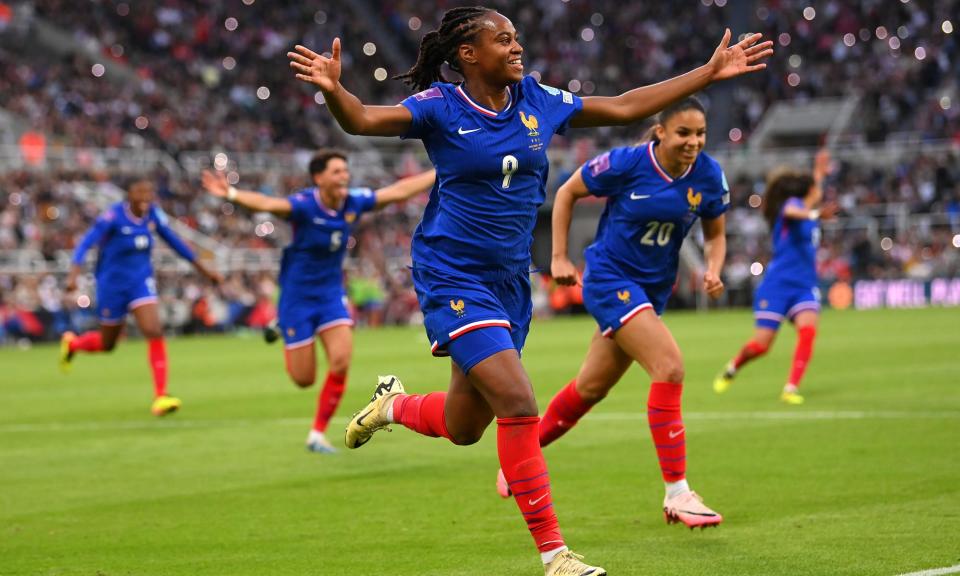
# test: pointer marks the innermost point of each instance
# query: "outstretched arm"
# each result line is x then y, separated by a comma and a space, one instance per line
353, 115
714, 252
561, 268
809, 210
215, 183
405, 189
100, 229
181, 248
727, 62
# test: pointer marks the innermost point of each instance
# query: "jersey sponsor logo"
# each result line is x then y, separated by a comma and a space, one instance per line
600, 164
694, 199
461, 131
428, 94
459, 307
624, 296
531, 123
635, 196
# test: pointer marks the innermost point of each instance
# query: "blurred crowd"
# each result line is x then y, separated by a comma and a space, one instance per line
204, 74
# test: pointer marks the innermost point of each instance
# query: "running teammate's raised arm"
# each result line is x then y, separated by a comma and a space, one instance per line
727, 62
353, 115
215, 183
405, 189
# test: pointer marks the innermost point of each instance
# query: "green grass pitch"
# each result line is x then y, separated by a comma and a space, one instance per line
864, 479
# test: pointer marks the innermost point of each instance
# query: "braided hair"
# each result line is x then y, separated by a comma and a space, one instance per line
459, 25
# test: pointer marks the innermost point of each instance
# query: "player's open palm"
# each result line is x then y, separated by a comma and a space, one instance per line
316, 68
215, 183
564, 272
743, 57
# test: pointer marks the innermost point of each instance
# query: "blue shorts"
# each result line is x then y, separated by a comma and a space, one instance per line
454, 305
774, 302
114, 302
613, 301
300, 319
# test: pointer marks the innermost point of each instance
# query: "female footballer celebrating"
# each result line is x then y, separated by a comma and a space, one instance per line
312, 299
487, 137
125, 283
789, 288
655, 192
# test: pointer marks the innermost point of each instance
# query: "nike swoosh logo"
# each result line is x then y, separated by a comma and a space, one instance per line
534, 502
635, 196
360, 419
461, 131
677, 433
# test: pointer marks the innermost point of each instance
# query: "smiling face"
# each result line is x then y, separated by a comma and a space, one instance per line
139, 197
682, 137
495, 54
333, 181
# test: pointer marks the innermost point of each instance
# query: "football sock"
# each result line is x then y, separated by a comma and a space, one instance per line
87, 342
666, 427
802, 353
750, 350
423, 413
563, 413
677, 488
157, 353
521, 459
329, 399
548, 557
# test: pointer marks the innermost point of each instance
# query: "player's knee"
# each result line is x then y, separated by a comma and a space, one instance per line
592, 391
466, 437
152, 332
302, 380
339, 363
669, 370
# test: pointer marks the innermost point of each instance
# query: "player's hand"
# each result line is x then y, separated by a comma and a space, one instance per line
712, 285
828, 210
215, 183
71, 282
315, 68
564, 272
743, 57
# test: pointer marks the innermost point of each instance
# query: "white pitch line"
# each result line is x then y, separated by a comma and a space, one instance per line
935, 571
177, 422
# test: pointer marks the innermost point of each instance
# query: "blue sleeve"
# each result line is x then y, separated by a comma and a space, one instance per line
96, 233
300, 207
168, 235
428, 109
605, 174
559, 105
364, 199
794, 201
717, 195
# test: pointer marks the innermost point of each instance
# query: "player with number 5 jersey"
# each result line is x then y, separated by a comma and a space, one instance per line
312, 299
123, 235
488, 136
655, 192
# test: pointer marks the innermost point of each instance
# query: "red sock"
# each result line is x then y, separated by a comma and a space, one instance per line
749, 351
158, 365
525, 469
563, 413
666, 426
87, 342
422, 413
329, 399
801, 355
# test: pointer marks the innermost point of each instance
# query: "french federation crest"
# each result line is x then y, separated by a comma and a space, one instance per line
694, 199
624, 296
458, 306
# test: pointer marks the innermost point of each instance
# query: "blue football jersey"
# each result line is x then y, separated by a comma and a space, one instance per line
648, 213
312, 263
491, 174
124, 242
795, 244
